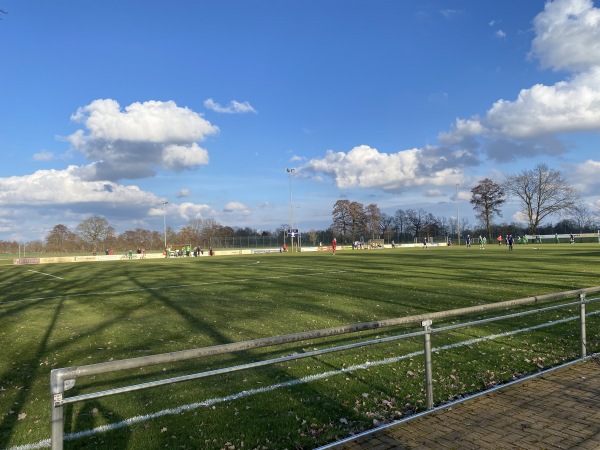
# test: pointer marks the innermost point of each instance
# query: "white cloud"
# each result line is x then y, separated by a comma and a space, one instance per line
43, 156
151, 121
65, 187
463, 195
179, 157
567, 106
586, 178
237, 208
500, 34
75, 199
463, 129
449, 13
183, 193
189, 211
568, 35
366, 167
234, 107
133, 142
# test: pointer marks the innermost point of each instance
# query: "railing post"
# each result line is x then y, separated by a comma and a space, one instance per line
428, 372
57, 390
582, 338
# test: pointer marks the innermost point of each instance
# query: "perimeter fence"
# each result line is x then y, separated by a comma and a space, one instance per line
63, 379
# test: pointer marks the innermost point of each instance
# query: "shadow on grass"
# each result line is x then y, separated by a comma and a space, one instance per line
89, 415
8, 423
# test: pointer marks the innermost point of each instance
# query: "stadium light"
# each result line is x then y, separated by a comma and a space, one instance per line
457, 216
291, 172
164, 203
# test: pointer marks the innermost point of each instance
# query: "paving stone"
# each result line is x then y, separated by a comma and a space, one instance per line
558, 410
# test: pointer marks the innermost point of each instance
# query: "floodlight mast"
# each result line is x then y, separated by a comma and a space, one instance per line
291, 172
457, 216
164, 203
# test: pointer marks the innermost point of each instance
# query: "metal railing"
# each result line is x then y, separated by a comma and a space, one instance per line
63, 379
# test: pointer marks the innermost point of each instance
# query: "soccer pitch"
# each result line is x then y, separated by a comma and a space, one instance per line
61, 315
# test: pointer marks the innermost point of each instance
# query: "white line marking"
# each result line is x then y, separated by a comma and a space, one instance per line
174, 411
47, 274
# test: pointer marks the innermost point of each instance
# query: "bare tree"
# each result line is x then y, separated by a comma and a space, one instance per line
465, 226
373, 220
386, 226
341, 218
400, 222
60, 239
487, 197
417, 220
583, 217
542, 191
358, 219
94, 230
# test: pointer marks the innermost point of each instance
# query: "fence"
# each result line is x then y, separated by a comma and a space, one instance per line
306, 240
63, 379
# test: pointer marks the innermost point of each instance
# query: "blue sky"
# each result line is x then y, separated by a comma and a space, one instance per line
109, 108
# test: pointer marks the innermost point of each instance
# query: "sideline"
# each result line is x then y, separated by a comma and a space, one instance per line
46, 443
47, 274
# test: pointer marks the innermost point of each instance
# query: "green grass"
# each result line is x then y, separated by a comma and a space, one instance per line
64, 315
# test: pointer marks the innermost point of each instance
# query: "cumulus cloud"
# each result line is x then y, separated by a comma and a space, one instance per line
133, 142
463, 133
567, 38
434, 193
179, 157
189, 211
76, 199
567, 35
366, 167
65, 187
237, 208
567, 106
587, 176
234, 107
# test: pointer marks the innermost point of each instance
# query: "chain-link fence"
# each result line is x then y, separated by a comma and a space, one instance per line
305, 240
265, 241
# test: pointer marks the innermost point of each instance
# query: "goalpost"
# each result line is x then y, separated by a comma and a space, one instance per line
376, 243
178, 250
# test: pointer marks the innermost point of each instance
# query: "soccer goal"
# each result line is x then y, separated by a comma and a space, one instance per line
179, 250
376, 243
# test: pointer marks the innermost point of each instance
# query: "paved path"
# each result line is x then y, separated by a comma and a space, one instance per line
558, 410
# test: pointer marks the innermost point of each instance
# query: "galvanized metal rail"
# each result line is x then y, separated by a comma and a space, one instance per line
64, 379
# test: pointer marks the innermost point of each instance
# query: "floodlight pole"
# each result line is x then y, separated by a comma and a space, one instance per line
457, 216
164, 203
291, 172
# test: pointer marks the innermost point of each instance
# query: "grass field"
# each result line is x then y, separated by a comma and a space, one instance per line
63, 315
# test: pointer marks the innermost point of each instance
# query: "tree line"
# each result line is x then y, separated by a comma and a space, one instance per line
541, 191
96, 235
